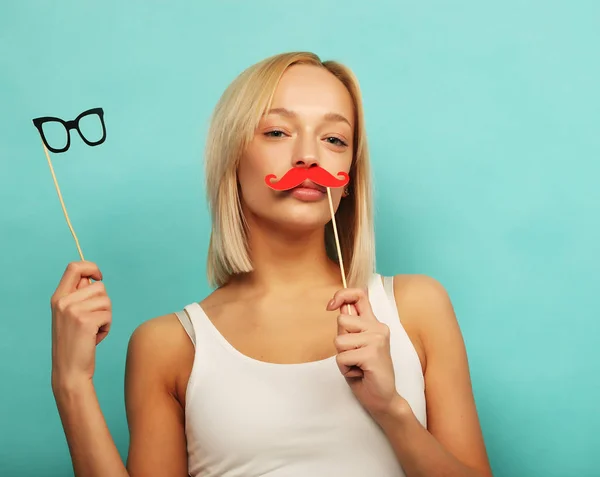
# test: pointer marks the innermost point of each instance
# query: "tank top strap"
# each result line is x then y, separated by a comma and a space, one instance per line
388, 286
383, 303
205, 337
194, 321
186, 322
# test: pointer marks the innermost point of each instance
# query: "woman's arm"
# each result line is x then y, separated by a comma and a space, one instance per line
157, 445
420, 453
157, 438
92, 449
452, 445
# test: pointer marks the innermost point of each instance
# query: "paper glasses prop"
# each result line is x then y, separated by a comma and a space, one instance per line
50, 122
295, 176
68, 126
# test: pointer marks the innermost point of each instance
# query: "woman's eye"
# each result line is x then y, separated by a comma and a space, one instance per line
275, 133
336, 141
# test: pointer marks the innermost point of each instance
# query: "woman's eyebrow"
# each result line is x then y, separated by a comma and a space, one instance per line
337, 117
333, 117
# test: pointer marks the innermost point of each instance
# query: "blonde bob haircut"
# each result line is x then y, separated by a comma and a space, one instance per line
233, 125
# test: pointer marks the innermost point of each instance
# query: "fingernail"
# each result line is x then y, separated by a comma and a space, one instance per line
330, 304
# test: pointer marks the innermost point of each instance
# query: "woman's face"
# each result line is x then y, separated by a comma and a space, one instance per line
310, 123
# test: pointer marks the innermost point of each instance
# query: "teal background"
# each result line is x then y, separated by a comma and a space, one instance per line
483, 121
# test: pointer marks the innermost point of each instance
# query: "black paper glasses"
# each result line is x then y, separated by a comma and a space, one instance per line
56, 130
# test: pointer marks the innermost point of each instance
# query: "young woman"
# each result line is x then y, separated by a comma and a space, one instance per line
281, 371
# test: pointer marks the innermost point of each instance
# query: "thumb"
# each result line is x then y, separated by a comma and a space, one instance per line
84, 282
102, 333
347, 309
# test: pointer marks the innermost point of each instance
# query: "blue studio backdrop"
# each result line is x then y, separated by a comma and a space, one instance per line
483, 122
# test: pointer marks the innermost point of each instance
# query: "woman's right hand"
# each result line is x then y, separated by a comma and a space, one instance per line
81, 318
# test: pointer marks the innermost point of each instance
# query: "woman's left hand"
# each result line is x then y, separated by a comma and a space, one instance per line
363, 345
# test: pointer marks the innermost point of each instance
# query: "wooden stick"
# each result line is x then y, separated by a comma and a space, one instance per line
63, 204
337, 243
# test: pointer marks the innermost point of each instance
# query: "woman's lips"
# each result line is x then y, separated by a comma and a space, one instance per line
307, 184
308, 194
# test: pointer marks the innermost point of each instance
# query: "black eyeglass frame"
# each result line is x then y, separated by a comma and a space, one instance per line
68, 125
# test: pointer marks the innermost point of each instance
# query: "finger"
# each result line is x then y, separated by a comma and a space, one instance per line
84, 282
81, 295
102, 333
91, 305
97, 321
351, 371
350, 324
87, 292
73, 274
351, 361
354, 296
102, 320
349, 309
350, 341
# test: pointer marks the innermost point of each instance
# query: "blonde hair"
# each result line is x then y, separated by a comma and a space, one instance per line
234, 121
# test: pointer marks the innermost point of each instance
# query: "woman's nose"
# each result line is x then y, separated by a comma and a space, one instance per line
305, 153
306, 162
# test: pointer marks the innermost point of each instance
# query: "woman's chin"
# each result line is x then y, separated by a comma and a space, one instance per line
300, 221
291, 215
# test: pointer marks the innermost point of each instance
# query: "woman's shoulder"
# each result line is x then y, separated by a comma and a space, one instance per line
427, 313
165, 330
162, 345
419, 291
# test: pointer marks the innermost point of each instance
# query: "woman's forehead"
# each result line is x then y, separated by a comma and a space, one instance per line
310, 90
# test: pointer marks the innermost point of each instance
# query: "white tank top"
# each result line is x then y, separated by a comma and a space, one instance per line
246, 418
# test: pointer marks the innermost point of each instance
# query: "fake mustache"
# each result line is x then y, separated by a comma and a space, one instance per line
297, 175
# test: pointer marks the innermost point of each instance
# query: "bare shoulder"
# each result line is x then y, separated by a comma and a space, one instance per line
427, 312
422, 295
163, 344
166, 329
422, 303
160, 338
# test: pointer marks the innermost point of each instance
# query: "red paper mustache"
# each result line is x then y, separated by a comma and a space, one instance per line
297, 175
